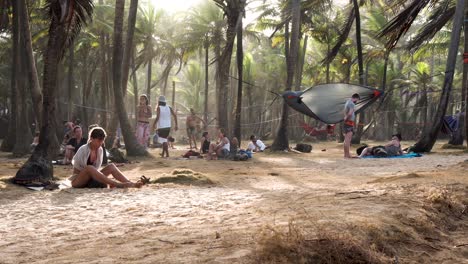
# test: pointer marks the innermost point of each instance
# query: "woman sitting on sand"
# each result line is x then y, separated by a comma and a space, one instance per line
87, 162
205, 143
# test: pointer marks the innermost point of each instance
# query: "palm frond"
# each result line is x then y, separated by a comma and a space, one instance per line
70, 14
437, 20
400, 24
342, 38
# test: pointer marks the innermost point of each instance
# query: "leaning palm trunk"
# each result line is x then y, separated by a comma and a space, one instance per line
131, 144
429, 138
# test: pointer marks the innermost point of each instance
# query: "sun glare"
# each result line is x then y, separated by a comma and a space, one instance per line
172, 6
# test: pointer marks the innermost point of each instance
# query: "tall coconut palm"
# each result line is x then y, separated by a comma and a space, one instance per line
66, 19
129, 46
233, 10
240, 70
204, 29
131, 144
442, 14
9, 142
281, 141
31, 62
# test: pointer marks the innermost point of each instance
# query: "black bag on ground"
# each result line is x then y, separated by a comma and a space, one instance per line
306, 148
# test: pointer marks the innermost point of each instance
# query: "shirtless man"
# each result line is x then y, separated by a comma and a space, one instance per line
192, 123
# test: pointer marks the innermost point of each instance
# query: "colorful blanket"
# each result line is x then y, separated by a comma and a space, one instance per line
404, 156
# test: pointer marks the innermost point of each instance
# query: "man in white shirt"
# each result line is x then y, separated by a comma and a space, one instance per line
256, 145
163, 122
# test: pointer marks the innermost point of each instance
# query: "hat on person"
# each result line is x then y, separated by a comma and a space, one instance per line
162, 99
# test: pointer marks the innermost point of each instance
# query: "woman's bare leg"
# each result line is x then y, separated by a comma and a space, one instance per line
111, 169
90, 172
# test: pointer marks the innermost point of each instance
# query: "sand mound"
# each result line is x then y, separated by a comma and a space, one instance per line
185, 177
321, 245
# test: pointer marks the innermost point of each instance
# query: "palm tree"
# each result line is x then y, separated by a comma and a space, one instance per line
65, 23
205, 23
31, 63
131, 144
281, 141
442, 14
146, 31
233, 10
128, 51
9, 142
240, 69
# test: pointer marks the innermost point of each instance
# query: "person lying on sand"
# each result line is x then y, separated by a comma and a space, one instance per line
393, 148
87, 162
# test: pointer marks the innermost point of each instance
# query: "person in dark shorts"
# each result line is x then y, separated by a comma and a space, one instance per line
192, 123
349, 119
163, 122
205, 143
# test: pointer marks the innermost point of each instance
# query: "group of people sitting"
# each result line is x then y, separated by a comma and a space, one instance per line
225, 148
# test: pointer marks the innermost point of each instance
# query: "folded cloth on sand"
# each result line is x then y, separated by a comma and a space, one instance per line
404, 156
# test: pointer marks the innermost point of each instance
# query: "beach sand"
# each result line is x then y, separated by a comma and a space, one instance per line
222, 222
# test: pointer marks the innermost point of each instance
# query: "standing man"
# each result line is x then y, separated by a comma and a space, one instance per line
349, 118
193, 124
163, 120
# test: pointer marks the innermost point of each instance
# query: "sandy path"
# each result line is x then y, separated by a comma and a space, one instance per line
218, 224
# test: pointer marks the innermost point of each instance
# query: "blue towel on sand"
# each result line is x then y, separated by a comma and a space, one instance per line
404, 156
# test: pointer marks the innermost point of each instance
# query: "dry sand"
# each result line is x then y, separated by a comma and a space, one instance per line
221, 223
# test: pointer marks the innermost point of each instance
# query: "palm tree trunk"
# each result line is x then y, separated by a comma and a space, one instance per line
205, 114
23, 135
281, 141
148, 79
129, 44
429, 138
234, 17
131, 145
240, 64
9, 142
465, 75
103, 81
35, 88
136, 98
357, 137
48, 138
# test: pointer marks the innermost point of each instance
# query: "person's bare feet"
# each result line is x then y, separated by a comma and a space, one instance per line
129, 185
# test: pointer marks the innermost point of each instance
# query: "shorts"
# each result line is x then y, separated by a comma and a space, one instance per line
191, 131
224, 154
348, 128
163, 134
92, 183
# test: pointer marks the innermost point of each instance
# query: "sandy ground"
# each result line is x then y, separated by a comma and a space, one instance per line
221, 223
